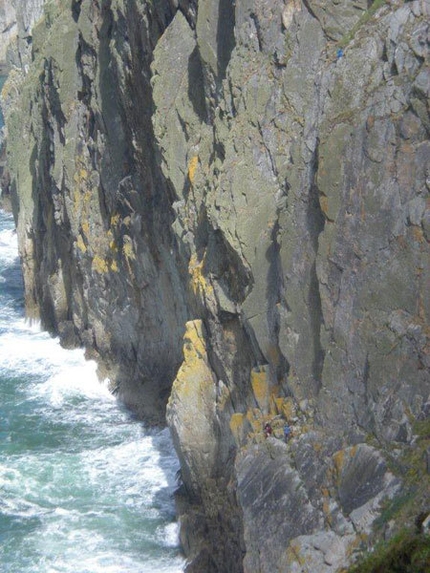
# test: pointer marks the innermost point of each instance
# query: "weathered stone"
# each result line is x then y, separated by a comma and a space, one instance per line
221, 168
337, 17
269, 486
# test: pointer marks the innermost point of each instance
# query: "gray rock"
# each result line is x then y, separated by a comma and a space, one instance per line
218, 169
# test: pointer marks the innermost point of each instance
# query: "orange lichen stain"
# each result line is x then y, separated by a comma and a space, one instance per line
192, 168
260, 388
339, 458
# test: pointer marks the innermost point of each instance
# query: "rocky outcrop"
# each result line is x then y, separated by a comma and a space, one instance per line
227, 204
17, 18
93, 211
8, 26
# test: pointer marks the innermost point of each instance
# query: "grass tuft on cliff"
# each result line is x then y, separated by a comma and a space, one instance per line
406, 552
367, 15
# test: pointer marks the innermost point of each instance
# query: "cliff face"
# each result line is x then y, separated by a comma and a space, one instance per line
17, 18
233, 198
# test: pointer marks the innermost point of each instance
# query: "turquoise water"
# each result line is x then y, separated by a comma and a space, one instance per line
84, 487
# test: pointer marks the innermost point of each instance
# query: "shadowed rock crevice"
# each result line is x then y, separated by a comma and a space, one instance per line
86, 62
316, 222
275, 297
76, 9
225, 36
196, 90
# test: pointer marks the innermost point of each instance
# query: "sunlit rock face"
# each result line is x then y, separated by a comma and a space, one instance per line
227, 204
17, 18
8, 26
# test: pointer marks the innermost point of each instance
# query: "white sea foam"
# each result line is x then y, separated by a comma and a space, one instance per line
8, 246
81, 482
169, 534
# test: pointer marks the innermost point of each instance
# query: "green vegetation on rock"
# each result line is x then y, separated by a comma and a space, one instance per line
367, 15
407, 552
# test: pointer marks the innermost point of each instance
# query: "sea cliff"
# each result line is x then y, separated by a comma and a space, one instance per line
227, 204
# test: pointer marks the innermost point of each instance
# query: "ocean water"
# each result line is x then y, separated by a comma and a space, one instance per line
84, 488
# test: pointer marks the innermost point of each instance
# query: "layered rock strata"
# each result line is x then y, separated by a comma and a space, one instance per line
233, 198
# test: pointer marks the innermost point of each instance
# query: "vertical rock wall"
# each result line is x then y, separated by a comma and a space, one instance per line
251, 177
93, 210
17, 18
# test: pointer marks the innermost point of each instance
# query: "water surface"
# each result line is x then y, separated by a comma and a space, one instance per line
83, 486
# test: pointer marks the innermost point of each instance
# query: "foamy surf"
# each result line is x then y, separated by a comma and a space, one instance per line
84, 487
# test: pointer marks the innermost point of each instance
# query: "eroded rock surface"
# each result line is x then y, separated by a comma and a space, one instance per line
229, 204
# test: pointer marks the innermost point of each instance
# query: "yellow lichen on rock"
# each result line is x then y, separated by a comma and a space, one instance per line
194, 371
294, 553
194, 343
99, 265
86, 228
191, 409
127, 249
255, 418
192, 168
237, 426
199, 284
285, 407
115, 219
341, 458
80, 244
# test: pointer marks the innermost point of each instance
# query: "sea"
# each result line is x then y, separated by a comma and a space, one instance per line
84, 486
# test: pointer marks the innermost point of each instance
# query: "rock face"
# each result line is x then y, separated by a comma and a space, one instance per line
228, 204
17, 18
